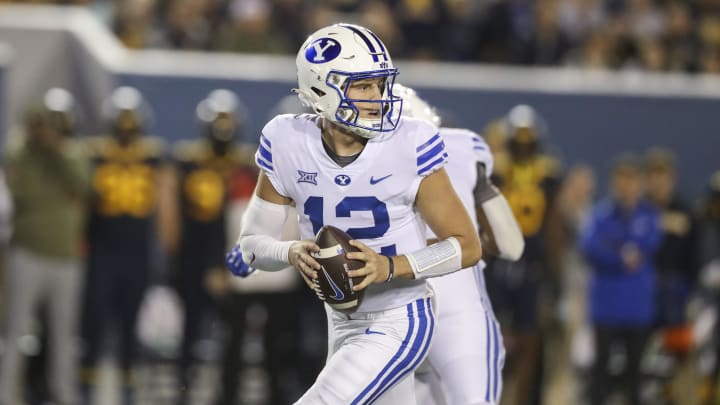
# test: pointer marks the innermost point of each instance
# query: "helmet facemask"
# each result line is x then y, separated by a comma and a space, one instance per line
348, 113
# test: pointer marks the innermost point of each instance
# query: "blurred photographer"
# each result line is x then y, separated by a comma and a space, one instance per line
49, 184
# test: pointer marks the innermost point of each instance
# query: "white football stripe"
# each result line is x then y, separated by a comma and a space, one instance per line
328, 252
345, 305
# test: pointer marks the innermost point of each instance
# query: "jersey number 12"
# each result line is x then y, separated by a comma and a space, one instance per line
314, 210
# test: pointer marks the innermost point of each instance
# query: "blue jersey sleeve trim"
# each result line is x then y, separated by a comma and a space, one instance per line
265, 153
262, 163
428, 143
437, 163
266, 141
425, 157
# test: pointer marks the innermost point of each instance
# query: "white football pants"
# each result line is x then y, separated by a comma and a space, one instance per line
372, 356
464, 364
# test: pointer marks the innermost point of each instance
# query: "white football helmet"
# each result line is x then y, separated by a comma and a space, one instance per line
416, 107
332, 58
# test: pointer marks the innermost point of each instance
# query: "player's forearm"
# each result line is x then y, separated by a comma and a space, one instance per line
444, 257
468, 256
471, 249
259, 242
504, 230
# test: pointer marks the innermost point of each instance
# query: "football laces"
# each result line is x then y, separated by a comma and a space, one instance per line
318, 291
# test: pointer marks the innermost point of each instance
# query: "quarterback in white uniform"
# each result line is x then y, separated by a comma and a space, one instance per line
360, 167
464, 364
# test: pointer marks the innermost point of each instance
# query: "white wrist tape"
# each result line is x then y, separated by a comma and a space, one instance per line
437, 259
262, 226
505, 229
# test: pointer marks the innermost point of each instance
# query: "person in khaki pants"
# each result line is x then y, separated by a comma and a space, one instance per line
49, 184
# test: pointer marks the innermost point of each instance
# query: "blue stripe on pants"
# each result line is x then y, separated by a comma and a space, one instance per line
392, 361
412, 360
487, 357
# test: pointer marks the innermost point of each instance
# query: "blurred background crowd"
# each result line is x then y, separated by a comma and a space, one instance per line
113, 243
653, 35
113, 259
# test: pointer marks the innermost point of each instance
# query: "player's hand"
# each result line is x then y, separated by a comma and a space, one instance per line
236, 265
631, 256
376, 269
216, 282
299, 257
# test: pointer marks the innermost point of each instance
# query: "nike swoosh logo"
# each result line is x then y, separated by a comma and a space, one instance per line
378, 180
337, 292
372, 332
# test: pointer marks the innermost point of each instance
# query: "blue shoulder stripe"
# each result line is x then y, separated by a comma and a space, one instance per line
266, 141
428, 143
262, 163
265, 165
479, 143
434, 151
437, 162
265, 153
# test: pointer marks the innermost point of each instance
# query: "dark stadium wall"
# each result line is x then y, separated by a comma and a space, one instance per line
588, 128
173, 101
594, 128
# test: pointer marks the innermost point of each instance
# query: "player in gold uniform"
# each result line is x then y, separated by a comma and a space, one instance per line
126, 187
529, 180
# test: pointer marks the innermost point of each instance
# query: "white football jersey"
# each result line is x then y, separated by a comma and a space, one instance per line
465, 150
372, 198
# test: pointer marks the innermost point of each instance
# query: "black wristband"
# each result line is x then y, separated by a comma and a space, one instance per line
391, 269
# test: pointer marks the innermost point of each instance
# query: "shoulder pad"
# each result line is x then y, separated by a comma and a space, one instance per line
153, 146
549, 166
416, 126
94, 145
75, 147
244, 154
187, 150
276, 123
502, 164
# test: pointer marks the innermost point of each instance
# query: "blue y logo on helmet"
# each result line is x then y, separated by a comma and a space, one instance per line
322, 50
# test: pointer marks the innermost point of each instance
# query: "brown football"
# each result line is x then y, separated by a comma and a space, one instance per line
333, 284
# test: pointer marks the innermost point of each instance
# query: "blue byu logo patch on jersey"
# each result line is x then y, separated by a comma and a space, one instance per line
307, 177
322, 50
342, 180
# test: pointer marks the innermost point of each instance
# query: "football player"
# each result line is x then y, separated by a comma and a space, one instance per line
205, 169
357, 165
524, 292
467, 354
126, 193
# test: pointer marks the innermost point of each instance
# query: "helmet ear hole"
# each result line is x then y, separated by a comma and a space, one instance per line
317, 91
